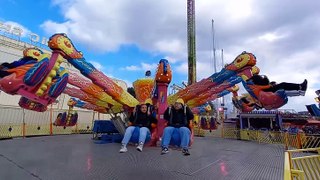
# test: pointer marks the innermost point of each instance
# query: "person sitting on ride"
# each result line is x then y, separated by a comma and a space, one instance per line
143, 119
263, 80
178, 116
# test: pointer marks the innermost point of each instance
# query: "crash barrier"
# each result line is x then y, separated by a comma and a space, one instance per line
302, 164
297, 141
18, 122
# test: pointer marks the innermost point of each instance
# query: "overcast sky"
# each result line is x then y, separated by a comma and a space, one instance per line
284, 35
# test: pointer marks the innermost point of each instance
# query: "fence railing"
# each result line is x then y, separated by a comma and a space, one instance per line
17, 122
296, 141
299, 164
302, 164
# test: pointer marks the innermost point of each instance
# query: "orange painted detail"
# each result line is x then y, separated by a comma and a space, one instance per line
62, 43
161, 76
143, 88
32, 52
21, 70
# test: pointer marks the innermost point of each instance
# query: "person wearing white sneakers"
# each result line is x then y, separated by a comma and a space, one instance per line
143, 119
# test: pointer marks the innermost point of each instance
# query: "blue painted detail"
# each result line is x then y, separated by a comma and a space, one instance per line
84, 67
80, 103
36, 74
249, 90
221, 76
223, 93
282, 93
313, 110
165, 65
57, 88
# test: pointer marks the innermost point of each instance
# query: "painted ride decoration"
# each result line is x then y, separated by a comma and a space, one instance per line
68, 118
40, 79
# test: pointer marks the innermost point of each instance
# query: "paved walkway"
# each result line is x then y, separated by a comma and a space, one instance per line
69, 157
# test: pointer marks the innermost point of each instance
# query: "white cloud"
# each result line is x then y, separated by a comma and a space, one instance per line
282, 34
270, 37
97, 65
171, 60
25, 31
146, 66
131, 68
143, 67
56, 27
203, 69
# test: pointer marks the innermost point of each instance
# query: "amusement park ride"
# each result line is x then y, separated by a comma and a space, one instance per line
40, 79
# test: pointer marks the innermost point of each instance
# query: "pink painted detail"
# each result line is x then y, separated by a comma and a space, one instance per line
90, 106
196, 88
195, 110
247, 71
162, 106
106, 84
42, 100
74, 92
11, 84
78, 81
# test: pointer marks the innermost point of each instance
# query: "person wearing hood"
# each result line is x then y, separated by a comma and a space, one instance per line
143, 119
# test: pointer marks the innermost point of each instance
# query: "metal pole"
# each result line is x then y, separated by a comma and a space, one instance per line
51, 116
191, 42
217, 101
23, 124
214, 48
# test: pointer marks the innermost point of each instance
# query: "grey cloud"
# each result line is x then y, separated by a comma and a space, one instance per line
106, 25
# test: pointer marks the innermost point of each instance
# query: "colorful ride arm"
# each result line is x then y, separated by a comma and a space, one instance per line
90, 88
86, 105
61, 43
242, 63
267, 100
35, 81
244, 103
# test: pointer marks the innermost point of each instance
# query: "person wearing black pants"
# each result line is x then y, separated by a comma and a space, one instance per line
273, 86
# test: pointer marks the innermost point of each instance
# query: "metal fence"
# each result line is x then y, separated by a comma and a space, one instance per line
18, 122
295, 141
302, 164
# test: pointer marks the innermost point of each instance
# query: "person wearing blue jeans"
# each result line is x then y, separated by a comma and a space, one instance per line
142, 119
179, 117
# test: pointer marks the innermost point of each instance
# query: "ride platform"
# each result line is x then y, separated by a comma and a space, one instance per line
67, 157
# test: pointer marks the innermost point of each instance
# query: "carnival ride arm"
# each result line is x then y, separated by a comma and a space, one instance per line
242, 63
62, 42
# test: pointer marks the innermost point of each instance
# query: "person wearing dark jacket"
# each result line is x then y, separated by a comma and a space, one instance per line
263, 80
143, 119
178, 116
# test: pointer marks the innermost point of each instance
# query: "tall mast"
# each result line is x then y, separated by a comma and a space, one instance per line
214, 47
191, 42
222, 64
